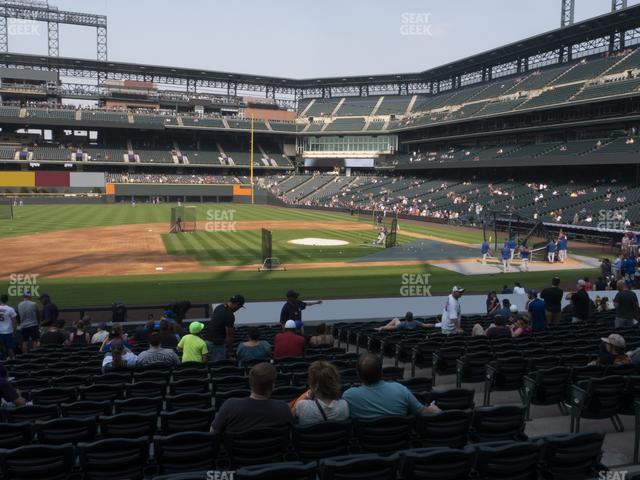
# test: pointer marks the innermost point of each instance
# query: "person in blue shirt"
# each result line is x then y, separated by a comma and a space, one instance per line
629, 270
562, 247
292, 309
484, 250
537, 312
525, 254
551, 251
505, 254
376, 398
511, 243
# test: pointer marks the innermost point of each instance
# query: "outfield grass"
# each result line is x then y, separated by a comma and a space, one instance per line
244, 247
200, 287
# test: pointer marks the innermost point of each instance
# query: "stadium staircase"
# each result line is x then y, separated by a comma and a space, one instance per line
413, 101
377, 106
335, 110
304, 112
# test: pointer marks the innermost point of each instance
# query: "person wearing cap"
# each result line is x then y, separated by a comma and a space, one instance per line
118, 357
29, 327
505, 311
581, 303
537, 312
505, 254
192, 347
562, 247
484, 251
101, 334
626, 306
49, 310
615, 354
551, 251
221, 328
8, 322
292, 309
452, 312
288, 343
552, 297
525, 254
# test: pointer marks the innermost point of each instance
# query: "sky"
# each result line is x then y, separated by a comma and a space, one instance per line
301, 38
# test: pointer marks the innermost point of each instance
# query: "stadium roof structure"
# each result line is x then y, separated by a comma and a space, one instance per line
608, 32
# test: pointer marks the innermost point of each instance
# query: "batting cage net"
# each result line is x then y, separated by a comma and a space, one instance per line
6, 210
183, 219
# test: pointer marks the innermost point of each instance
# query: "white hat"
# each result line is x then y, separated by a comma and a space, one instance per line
581, 283
615, 340
290, 325
513, 309
457, 289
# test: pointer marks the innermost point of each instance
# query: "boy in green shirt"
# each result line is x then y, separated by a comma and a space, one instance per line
193, 348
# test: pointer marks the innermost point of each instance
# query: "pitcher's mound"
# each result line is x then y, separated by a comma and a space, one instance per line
318, 242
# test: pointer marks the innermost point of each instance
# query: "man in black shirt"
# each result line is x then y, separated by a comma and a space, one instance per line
552, 297
220, 329
257, 411
581, 303
292, 309
626, 303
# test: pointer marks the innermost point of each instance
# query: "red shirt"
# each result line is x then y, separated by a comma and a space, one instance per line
288, 344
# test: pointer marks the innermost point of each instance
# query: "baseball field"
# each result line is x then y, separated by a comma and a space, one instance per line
86, 255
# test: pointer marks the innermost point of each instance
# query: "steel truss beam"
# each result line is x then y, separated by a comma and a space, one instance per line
53, 18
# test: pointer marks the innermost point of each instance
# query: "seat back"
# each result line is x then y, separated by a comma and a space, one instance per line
84, 409
551, 385
256, 446
435, 464
114, 458
383, 435
506, 422
53, 396
604, 396
146, 389
572, 456
453, 398
31, 413
38, 462
359, 467
284, 470
513, 460
66, 430
510, 373
186, 420
188, 400
13, 435
101, 392
138, 405
322, 440
187, 451
449, 428
128, 425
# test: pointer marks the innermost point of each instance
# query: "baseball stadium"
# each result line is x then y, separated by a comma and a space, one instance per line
165, 230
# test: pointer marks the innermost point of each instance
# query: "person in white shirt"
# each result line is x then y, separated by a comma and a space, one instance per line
101, 334
8, 320
518, 289
452, 312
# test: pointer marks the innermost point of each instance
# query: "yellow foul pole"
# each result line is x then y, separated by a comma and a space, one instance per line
251, 160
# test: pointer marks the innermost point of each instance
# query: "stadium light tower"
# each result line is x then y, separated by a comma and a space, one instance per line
618, 5
568, 12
